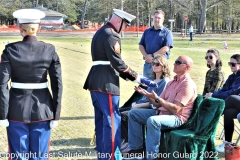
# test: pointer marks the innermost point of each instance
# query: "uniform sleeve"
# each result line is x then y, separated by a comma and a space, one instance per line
113, 50
224, 92
5, 73
218, 81
55, 75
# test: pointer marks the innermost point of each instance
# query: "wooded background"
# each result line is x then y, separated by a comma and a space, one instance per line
205, 15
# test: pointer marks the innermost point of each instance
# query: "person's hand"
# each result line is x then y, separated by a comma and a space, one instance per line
53, 124
148, 58
152, 95
140, 90
4, 123
134, 105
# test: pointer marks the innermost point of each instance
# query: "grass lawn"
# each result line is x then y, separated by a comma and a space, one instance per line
70, 140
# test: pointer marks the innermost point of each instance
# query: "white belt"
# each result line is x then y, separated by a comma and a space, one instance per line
101, 63
29, 85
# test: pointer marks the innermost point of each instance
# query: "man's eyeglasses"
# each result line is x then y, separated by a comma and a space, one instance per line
155, 64
232, 64
210, 57
179, 62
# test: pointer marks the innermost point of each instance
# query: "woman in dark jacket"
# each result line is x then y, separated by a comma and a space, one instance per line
230, 93
28, 110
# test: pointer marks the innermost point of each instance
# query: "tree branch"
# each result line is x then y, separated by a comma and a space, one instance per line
185, 7
215, 4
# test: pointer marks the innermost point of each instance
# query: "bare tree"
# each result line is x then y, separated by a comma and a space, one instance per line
83, 13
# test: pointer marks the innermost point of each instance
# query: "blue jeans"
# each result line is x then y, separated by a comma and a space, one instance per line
147, 70
191, 36
155, 123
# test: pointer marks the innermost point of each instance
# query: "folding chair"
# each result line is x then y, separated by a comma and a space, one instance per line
236, 129
199, 136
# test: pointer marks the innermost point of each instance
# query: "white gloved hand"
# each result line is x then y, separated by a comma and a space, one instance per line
4, 123
53, 124
138, 79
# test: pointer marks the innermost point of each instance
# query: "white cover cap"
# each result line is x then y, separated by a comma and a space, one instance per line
28, 15
124, 15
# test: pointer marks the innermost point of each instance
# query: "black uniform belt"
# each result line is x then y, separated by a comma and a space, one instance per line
101, 63
29, 85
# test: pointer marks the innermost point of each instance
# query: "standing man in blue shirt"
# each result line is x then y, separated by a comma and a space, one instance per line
155, 40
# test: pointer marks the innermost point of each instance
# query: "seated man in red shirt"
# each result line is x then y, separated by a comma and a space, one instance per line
174, 106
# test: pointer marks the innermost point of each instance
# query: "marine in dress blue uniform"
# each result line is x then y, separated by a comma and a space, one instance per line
155, 40
28, 107
103, 83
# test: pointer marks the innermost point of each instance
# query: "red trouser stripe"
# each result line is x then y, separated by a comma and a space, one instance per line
112, 122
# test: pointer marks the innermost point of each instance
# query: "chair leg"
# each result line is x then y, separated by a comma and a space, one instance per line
222, 132
237, 129
221, 135
238, 139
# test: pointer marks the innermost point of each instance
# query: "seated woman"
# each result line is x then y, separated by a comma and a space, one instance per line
214, 77
232, 84
230, 93
161, 74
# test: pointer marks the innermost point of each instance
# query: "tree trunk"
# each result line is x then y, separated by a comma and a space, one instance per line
149, 14
83, 14
213, 27
171, 12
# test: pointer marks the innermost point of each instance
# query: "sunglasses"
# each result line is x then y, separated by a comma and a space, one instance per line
155, 64
210, 57
232, 64
179, 62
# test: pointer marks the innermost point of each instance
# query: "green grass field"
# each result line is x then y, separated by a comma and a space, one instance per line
70, 140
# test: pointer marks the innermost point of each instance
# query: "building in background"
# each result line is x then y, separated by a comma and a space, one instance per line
53, 19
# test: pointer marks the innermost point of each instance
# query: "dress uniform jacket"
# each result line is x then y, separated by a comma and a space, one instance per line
106, 46
30, 61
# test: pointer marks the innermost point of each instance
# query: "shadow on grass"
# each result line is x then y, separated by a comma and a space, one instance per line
81, 142
76, 118
76, 148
